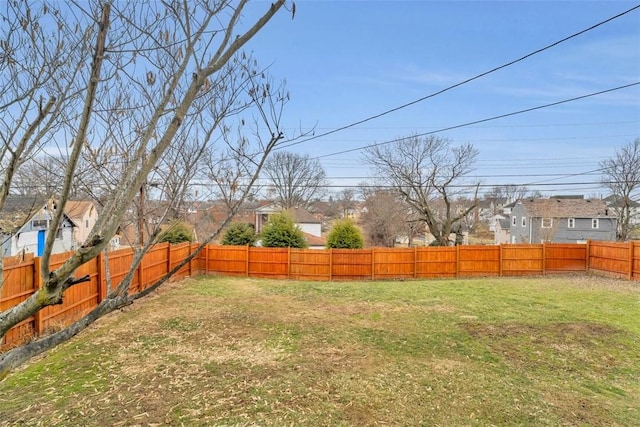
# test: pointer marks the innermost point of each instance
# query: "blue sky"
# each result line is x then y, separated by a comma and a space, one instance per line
347, 60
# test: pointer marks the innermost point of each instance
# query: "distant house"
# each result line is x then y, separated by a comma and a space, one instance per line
506, 209
83, 213
488, 207
25, 222
309, 224
561, 220
501, 231
493, 221
616, 203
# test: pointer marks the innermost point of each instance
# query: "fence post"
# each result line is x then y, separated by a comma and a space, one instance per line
544, 258
246, 262
289, 262
415, 262
141, 274
38, 320
457, 260
206, 260
373, 263
330, 264
168, 257
501, 260
102, 282
587, 255
630, 275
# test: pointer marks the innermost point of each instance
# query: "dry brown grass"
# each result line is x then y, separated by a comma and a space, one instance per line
222, 351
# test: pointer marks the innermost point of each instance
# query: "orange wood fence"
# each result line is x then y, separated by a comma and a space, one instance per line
22, 277
396, 263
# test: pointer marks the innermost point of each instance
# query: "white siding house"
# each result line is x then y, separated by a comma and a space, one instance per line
25, 223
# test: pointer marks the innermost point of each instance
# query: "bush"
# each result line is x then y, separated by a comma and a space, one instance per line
281, 232
240, 234
345, 235
177, 232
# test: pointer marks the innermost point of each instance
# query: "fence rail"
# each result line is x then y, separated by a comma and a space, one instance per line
22, 277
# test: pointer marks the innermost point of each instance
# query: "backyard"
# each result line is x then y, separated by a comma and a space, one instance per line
554, 350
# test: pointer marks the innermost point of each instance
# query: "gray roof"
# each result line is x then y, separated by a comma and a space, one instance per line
566, 208
17, 210
505, 224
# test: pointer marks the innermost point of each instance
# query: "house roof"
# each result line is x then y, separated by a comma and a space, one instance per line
17, 210
75, 209
504, 224
315, 240
566, 208
302, 216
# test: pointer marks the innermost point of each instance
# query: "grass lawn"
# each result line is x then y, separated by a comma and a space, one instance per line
234, 351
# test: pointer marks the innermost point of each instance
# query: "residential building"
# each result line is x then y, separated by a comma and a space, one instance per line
25, 222
83, 213
309, 224
562, 220
616, 203
501, 232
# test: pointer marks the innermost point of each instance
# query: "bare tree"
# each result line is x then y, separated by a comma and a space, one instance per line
511, 192
621, 175
429, 174
296, 180
346, 201
119, 84
384, 216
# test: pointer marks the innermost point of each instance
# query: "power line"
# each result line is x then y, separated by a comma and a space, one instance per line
493, 70
501, 116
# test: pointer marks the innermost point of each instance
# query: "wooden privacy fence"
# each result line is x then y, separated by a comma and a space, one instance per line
22, 277
396, 263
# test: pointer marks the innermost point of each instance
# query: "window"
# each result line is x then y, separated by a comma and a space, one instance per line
514, 221
595, 223
571, 223
524, 221
547, 222
40, 223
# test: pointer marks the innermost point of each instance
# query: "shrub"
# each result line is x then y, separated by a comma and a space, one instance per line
177, 232
345, 235
281, 232
240, 234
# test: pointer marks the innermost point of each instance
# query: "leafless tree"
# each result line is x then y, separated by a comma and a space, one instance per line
511, 192
296, 180
429, 174
383, 218
346, 201
621, 175
118, 85
471, 219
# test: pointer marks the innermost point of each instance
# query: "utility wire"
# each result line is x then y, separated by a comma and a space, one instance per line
493, 70
501, 116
